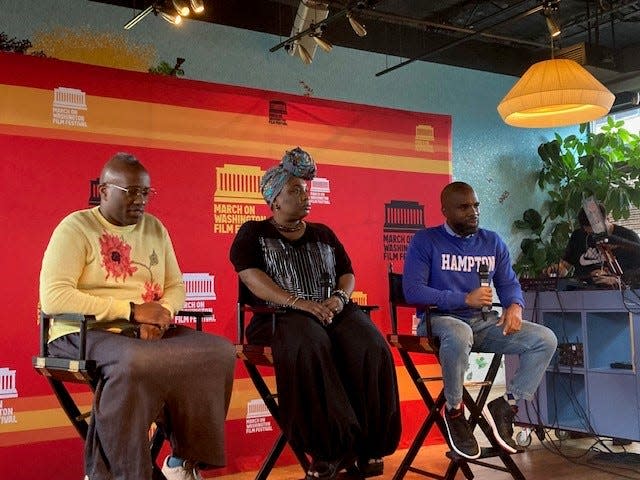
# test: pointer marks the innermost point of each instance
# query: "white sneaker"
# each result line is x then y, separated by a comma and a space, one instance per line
182, 472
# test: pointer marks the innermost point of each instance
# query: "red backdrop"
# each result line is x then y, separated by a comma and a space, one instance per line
206, 145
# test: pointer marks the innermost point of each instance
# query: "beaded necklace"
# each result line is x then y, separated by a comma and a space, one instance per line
284, 228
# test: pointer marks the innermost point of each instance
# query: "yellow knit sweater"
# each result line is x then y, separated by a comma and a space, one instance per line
92, 267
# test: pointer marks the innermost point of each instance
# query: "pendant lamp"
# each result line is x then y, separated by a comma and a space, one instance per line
555, 93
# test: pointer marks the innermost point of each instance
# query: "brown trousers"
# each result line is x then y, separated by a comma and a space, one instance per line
185, 378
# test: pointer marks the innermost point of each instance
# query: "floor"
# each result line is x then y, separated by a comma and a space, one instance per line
583, 458
574, 458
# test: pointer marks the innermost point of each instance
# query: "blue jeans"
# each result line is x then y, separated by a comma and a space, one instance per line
534, 343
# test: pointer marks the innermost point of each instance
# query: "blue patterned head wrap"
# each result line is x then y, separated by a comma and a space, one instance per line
295, 163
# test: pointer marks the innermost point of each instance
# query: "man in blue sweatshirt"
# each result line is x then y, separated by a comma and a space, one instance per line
441, 270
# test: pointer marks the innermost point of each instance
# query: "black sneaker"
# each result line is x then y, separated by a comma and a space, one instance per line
500, 415
460, 436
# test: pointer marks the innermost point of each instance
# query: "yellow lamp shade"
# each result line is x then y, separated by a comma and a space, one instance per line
555, 93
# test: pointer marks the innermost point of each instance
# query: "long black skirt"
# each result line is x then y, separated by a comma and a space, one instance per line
337, 386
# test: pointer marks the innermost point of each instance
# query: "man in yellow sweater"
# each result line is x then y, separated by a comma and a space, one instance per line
117, 262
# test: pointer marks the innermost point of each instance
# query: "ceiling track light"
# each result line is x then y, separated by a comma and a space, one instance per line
304, 54
159, 7
197, 6
174, 19
181, 7
294, 45
356, 25
552, 24
321, 42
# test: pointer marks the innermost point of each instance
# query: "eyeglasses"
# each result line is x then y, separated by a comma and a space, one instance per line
133, 192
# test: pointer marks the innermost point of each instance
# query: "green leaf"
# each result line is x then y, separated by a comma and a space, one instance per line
533, 218
604, 164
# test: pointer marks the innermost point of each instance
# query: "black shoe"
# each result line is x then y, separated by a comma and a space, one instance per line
500, 415
323, 470
460, 436
370, 467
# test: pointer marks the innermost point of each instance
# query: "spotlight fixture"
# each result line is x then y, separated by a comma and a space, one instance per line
174, 19
304, 53
550, 7
356, 25
166, 9
312, 18
552, 25
197, 6
181, 7
321, 42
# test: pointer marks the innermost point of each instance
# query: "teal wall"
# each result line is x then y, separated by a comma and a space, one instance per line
498, 160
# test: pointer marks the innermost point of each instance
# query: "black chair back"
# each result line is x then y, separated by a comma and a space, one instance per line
397, 300
396, 297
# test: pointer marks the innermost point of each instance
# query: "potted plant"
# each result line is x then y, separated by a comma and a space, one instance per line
605, 165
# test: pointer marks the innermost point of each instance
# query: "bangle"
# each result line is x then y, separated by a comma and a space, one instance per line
294, 302
132, 317
342, 295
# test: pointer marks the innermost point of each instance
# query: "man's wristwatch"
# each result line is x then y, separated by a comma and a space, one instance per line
132, 315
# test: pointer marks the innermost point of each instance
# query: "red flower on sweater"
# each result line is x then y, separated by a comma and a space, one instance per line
152, 292
116, 256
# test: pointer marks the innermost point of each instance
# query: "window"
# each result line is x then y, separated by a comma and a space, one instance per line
631, 119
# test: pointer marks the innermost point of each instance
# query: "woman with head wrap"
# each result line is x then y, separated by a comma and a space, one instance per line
335, 374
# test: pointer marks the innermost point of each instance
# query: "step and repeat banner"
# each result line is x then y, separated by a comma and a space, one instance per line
206, 146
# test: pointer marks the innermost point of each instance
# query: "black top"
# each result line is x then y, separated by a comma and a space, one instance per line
302, 267
583, 254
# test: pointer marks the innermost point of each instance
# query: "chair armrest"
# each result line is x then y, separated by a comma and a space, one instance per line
394, 319
263, 309
82, 320
256, 309
368, 308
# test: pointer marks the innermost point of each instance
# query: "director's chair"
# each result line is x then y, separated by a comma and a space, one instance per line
82, 370
254, 356
409, 344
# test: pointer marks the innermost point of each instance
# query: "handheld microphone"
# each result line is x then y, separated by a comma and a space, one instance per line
327, 287
483, 273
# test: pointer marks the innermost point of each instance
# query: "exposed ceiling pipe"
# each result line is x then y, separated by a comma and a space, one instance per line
413, 22
591, 22
515, 17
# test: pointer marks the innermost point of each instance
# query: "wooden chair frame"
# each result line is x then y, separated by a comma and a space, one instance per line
254, 356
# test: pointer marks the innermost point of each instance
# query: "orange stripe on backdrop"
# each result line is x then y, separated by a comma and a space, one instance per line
40, 418
41, 435
44, 402
180, 128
